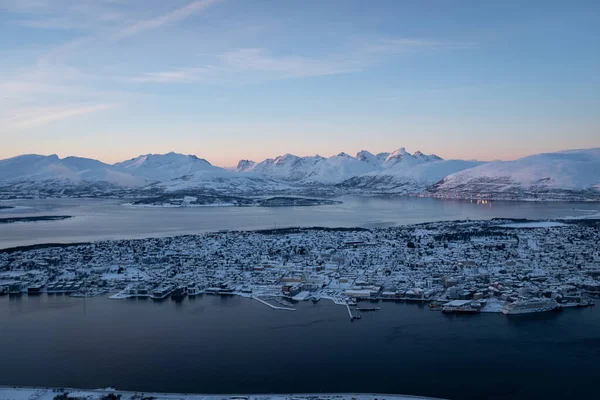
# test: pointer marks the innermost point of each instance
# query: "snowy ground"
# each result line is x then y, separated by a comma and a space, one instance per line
534, 224
11, 393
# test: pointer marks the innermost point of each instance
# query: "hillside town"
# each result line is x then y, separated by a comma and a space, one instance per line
457, 267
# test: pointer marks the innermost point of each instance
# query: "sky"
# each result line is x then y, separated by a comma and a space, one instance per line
240, 79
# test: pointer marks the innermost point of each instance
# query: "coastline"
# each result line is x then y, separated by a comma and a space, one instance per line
46, 393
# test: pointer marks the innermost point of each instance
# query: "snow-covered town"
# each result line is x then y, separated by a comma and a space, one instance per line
468, 267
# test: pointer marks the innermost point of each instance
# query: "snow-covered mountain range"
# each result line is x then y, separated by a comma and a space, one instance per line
563, 175
32, 170
335, 169
567, 175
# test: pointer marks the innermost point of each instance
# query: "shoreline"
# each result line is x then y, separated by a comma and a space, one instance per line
40, 218
47, 393
559, 221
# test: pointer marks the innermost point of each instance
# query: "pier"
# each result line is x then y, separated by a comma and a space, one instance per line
272, 306
352, 317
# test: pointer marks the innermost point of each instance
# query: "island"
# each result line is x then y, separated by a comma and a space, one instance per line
203, 200
467, 267
39, 218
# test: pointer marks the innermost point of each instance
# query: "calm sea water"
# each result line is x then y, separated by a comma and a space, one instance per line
233, 345
110, 219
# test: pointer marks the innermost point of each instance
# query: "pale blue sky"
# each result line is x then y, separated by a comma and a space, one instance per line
231, 79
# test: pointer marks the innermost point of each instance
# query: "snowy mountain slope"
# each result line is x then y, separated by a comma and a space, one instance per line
336, 169
163, 167
407, 178
400, 156
174, 172
566, 175
315, 170
33, 168
368, 157
235, 184
548, 175
286, 168
245, 165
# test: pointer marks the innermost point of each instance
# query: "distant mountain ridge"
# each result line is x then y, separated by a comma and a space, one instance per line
565, 175
334, 169
560, 176
161, 167
35, 168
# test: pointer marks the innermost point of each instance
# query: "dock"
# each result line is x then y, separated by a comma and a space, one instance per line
352, 317
272, 306
368, 308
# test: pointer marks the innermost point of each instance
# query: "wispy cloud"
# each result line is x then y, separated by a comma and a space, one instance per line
64, 14
112, 34
288, 66
57, 87
23, 118
249, 65
165, 19
401, 45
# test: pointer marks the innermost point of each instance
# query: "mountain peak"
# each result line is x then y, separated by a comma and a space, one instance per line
397, 156
157, 167
426, 157
364, 155
245, 165
285, 158
400, 151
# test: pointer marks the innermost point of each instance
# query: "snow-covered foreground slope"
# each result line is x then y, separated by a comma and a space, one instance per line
561, 176
39, 393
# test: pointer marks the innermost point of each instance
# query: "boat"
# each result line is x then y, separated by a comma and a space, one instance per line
368, 308
467, 309
530, 306
461, 307
577, 304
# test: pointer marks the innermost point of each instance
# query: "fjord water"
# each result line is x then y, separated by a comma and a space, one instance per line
97, 219
215, 344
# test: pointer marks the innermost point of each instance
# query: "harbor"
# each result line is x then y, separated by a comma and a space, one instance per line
204, 344
471, 267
